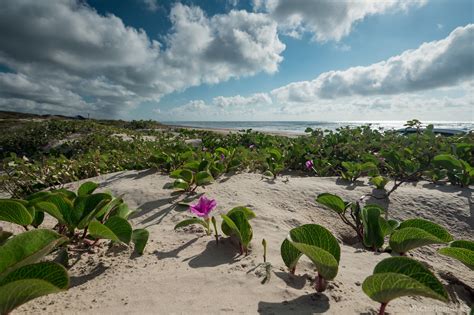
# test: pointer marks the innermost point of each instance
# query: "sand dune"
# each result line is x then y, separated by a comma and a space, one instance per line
185, 272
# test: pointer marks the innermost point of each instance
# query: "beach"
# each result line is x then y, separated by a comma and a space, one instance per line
185, 271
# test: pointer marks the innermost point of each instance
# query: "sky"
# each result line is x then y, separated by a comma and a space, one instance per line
218, 60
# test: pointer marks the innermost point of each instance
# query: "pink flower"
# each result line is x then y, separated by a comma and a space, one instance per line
309, 164
251, 146
203, 207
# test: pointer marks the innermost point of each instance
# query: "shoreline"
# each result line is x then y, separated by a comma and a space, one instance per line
226, 131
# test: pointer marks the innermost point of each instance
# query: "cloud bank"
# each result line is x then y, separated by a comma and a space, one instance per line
420, 73
327, 19
64, 50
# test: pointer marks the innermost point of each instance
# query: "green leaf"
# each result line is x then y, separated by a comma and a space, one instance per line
64, 205
249, 214
38, 218
91, 207
429, 227
274, 153
447, 161
87, 188
41, 195
373, 233
66, 193
47, 271
416, 233
123, 211
4, 235
140, 238
14, 212
180, 184
239, 225
332, 202
379, 181
189, 222
19, 292
461, 250
318, 244
27, 248
325, 263
315, 236
51, 209
402, 276
184, 174
120, 227
388, 226
110, 207
289, 254
203, 178
100, 231
268, 173
193, 166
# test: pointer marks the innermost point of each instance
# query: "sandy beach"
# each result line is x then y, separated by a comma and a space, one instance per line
185, 272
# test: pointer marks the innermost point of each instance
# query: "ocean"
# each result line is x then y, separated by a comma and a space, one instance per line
298, 127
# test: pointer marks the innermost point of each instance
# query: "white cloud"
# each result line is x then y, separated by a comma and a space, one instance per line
241, 101
151, 5
446, 62
327, 19
69, 47
435, 80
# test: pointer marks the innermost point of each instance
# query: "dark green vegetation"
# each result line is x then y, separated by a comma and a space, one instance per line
47, 153
83, 218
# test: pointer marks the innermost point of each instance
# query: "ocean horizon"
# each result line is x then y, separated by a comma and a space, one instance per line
298, 127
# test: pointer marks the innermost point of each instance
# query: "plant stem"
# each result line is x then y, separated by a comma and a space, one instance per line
215, 229
382, 308
241, 249
85, 232
320, 283
293, 270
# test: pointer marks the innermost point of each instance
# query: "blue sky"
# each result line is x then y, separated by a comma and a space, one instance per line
129, 59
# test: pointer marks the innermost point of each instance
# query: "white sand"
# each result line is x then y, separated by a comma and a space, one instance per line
185, 272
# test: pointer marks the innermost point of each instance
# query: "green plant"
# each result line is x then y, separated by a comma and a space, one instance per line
375, 227
274, 163
353, 170
236, 223
379, 181
459, 172
319, 245
21, 277
192, 175
79, 215
371, 228
461, 250
414, 233
402, 276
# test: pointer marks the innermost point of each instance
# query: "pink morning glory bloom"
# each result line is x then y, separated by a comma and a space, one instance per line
203, 207
309, 164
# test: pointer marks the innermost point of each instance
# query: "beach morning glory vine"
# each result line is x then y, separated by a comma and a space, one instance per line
201, 209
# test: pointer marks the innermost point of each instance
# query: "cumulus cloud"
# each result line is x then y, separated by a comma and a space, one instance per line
151, 5
436, 64
101, 64
327, 19
437, 76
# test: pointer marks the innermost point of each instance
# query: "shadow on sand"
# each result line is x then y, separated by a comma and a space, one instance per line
97, 271
214, 255
306, 304
175, 252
